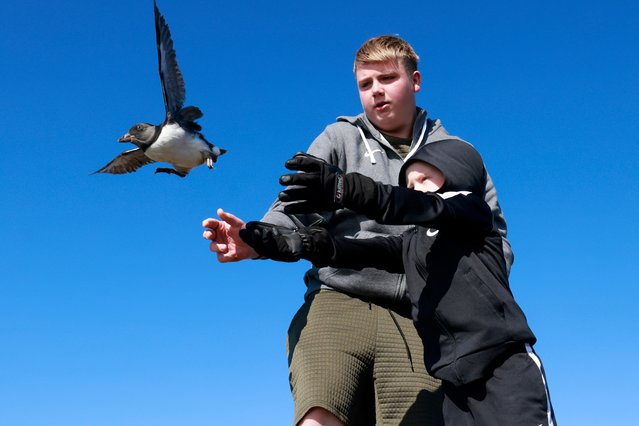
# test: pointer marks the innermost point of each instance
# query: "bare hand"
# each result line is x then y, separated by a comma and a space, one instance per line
225, 238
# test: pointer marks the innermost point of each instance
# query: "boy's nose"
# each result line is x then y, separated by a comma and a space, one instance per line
377, 88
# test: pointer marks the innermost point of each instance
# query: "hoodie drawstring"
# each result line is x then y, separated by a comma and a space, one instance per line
371, 152
419, 141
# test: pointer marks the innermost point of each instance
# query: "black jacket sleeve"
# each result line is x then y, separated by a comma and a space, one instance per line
376, 252
402, 206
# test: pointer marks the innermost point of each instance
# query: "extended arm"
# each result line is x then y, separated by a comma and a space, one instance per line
325, 187
397, 205
318, 246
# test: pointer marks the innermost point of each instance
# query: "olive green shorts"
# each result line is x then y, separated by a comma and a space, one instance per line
361, 362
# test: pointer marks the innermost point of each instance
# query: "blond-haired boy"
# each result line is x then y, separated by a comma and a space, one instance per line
354, 354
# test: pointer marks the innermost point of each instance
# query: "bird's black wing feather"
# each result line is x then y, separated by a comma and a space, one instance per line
171, 78
186, 118
127, 162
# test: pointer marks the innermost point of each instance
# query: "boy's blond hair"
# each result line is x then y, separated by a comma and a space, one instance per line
387, 48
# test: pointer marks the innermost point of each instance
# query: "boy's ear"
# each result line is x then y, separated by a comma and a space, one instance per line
417, 80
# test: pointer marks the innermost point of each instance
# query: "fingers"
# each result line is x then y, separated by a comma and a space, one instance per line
224, 238
304, 162
210, 223
301, 179
214, 227
219, 248
294, 194
224, 257
211, 227
298, 201
231, 219
209, 234
286, 180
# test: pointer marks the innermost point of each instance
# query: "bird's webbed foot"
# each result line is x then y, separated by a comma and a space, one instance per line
169, 171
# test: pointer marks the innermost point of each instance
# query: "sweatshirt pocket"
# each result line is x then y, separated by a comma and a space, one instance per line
471, 311
485, 298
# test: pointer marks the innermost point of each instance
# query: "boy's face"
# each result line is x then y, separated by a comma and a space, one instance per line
387, 93
423, 177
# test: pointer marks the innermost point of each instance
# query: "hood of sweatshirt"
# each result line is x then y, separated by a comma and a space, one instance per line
460, 163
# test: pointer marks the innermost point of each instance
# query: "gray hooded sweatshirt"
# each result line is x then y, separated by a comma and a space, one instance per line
354, 145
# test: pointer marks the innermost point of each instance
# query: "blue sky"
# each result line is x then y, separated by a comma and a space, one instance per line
114, 312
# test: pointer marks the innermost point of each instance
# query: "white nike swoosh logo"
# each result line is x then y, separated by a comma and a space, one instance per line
432, 232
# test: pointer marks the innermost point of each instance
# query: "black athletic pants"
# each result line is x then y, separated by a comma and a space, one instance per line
515, 394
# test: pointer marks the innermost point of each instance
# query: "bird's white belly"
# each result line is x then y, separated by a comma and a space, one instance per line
178, 147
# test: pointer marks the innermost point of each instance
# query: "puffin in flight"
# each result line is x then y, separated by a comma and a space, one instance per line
177, 140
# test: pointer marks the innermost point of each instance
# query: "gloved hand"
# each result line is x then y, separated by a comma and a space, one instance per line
289, 245
320, 187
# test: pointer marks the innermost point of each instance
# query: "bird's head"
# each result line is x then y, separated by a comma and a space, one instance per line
140, 134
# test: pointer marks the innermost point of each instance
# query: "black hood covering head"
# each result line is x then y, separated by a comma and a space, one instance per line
459, 161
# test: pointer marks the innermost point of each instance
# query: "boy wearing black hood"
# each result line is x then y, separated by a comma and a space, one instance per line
476, 338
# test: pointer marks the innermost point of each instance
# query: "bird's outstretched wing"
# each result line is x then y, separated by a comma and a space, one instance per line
127, 162
173, 89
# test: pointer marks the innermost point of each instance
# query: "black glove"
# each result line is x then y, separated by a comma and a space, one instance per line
289, 245
320, 187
